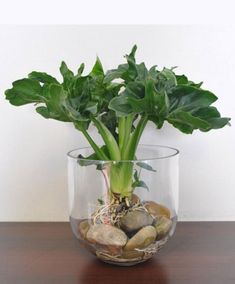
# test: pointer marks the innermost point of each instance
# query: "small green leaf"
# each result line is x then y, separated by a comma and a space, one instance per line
68, 76
92, 107
101, 201
80, 69
140, 183
43, 111
181, 80
145, 166
64, 70
93, 159
97, 70
136, 175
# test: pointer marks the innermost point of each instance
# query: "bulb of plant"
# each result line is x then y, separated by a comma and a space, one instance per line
120, 103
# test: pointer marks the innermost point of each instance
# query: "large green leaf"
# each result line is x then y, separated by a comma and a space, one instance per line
56, 103
25, 91
190, 97
212, 116
42, 77
186, 122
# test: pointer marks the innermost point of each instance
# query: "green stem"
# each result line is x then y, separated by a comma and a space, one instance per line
122, 172
121, 178
109, 140
124, 131
129, 122
94, 146
130, 150
121, 131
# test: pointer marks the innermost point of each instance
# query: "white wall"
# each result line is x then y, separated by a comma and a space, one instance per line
33, 163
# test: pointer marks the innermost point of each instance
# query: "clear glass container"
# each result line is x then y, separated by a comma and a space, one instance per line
124, 211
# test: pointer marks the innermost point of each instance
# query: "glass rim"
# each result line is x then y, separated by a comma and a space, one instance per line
176, 152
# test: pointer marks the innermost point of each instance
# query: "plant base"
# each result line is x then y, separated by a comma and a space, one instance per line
123, 233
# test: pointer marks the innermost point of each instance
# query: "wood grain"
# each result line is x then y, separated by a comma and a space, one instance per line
47, 253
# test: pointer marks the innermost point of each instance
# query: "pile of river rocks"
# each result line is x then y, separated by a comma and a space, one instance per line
138, 230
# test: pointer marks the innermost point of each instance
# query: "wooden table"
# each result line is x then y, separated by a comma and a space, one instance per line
33, 253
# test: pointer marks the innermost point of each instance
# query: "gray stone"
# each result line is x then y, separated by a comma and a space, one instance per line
135, 220
107, 237
156, 209
141, 239
163, 226
83, 228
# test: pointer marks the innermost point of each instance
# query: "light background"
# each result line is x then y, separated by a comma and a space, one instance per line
33, 165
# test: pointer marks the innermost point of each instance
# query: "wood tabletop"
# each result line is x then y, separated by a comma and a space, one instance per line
48, 253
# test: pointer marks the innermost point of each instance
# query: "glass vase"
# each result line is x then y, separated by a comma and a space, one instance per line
124, 212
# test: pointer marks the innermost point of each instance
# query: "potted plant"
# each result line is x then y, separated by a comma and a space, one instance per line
123, 197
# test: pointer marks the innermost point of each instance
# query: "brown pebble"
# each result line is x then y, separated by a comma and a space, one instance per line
156, 209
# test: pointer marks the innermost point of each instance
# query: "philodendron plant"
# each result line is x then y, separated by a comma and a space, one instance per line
119, 109
121, 228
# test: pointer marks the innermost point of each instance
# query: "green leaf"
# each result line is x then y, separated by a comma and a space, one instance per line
132, 69
56, 104
93, 159
145, 166
68, 76
218, 122
80, 69
92, 107
132, 53
43, 111
207, 112
140, 183
97, 70
101, 201
112, 74
169, 77
181, 80
25, 91
120, 105
189, 97
142, 72
128, 72
180, 119
65, 72
42, 77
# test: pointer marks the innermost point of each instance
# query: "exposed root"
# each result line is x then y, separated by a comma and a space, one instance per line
112, 212
108, 257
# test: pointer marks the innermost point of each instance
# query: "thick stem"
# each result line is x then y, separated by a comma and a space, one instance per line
124, 131
109, 140
130, 150
121, 131
120, 175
